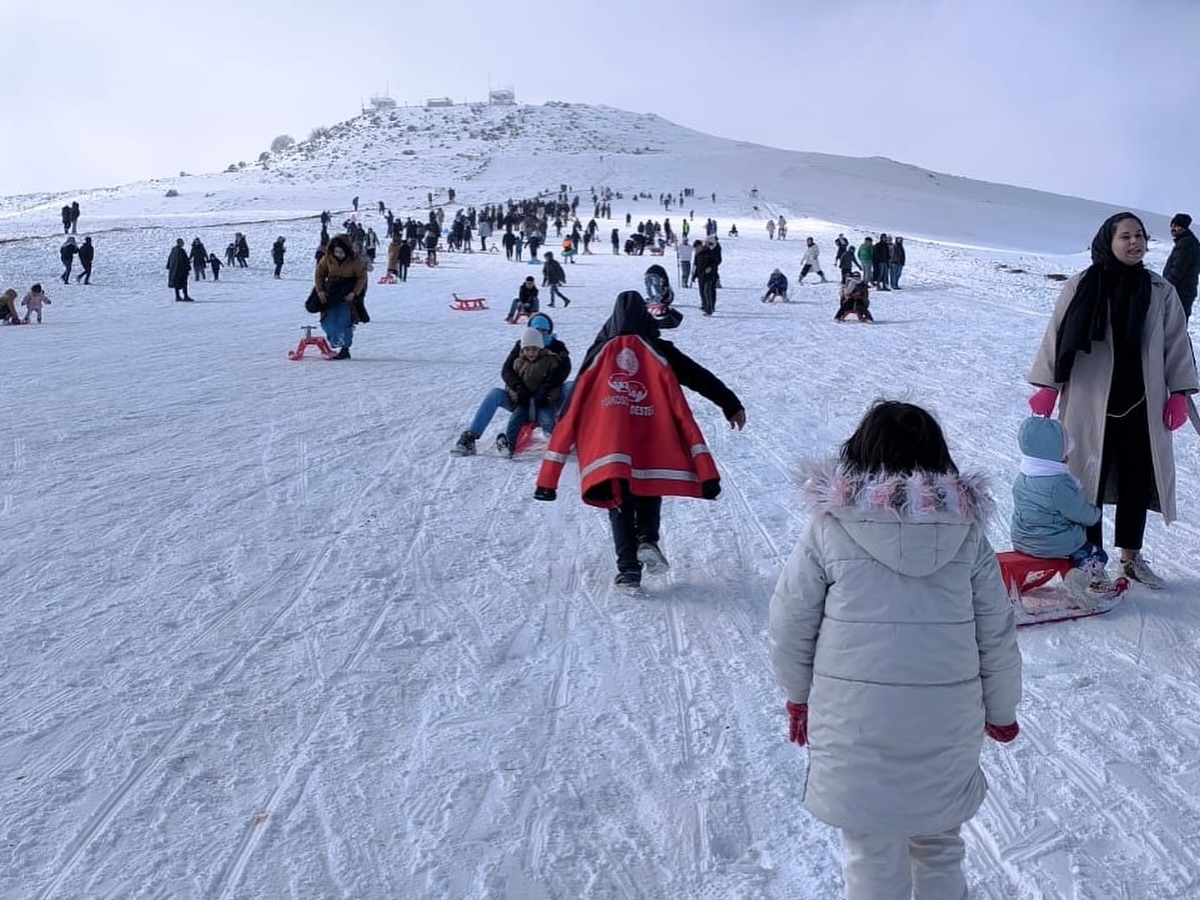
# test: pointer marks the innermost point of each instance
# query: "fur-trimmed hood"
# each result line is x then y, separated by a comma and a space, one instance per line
912, 523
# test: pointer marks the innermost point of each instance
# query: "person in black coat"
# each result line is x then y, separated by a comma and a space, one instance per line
199, 258
554, 277
526, 301
277, 252
87, 253
1183, 265
403, 259
66, 219
178, 269
706, 262
67, 254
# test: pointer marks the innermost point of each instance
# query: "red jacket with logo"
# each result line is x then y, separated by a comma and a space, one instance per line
629, 421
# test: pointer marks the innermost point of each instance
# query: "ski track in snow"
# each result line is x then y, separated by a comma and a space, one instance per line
266, 638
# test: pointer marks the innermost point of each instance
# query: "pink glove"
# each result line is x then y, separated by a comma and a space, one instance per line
1002, 733
797, 723
1042, 402
1175, 413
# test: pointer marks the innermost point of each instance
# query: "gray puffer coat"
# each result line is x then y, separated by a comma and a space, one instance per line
891, 622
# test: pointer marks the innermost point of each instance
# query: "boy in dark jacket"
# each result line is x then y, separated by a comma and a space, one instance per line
554, 276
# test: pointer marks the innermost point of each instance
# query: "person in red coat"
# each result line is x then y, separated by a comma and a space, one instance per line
634, 433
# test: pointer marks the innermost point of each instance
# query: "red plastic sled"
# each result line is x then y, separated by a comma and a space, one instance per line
524, 438
1022, 573
465, 304
307, 341
1039, 596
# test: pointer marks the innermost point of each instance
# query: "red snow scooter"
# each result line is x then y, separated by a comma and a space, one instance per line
1039, 593
307, 341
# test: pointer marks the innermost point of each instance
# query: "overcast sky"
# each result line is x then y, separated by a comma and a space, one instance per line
1095, 98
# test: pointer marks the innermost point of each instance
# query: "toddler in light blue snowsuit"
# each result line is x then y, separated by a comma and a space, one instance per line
1049, 509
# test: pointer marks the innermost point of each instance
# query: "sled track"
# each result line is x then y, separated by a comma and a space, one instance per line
111, 804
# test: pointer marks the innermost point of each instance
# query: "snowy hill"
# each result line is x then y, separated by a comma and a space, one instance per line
401, 155
264, 637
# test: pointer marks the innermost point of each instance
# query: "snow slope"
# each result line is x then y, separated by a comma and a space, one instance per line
263, 637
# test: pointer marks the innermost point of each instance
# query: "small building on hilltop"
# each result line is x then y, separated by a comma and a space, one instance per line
438, 102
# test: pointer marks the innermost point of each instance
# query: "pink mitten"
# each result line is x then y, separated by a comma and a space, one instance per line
1175, 413
1043, 400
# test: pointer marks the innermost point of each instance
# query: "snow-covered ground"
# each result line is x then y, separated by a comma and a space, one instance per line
263, 637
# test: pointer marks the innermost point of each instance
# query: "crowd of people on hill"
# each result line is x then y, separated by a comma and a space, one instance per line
869, 588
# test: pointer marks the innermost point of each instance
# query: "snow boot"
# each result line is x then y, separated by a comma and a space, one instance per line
1138, 569
465, 445
652, 558
628, 580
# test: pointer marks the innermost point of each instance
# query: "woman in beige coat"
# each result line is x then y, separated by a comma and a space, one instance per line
890, 623
1117, 358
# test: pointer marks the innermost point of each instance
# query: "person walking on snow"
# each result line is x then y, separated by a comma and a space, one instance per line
554, 276
66, 253
893, 638
1182, 268
87, 252
33, 303
278, 249
340, 285
637, 442
199, 259
178, 269
811, 262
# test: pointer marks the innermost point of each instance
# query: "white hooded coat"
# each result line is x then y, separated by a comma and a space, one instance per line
891, 622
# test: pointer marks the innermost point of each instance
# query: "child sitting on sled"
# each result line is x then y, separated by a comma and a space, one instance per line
1049, 509
777, 288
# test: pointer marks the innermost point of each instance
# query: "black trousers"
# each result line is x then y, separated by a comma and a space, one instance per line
1127, 458
637, 519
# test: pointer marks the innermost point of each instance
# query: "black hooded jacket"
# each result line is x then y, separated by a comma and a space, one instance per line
629, 316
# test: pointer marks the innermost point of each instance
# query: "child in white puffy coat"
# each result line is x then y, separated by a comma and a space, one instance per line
893, 636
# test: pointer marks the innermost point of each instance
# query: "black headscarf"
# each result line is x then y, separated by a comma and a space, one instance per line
1109, 291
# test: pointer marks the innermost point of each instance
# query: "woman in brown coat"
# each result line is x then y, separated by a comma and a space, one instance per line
1117, 351
340, 282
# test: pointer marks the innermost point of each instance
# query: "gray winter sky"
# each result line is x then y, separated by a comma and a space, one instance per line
1096, 98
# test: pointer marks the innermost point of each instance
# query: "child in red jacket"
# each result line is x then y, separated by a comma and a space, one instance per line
634, 433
